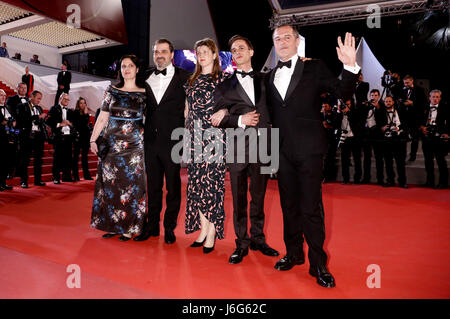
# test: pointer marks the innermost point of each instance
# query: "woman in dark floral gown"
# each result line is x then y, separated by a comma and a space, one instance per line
120, 189
206, 162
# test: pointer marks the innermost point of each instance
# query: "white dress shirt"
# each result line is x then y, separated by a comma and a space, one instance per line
6, 113
66, 129
345, 125
393, 118
249, 88
432, 114
159, 83
283, 75
34, 111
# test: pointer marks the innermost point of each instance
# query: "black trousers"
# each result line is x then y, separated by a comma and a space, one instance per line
30, 146
83, 148
62, 157
435, 148
4, 160
377, 146
330, 168
395, 150
300, 186
351, 147
12, 159
239, 188
160, 167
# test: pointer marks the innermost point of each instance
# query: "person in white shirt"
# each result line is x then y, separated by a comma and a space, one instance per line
5, 117
164, 113
435, 130
394, 143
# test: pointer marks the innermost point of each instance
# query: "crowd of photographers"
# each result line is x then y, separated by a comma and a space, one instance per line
382, 124
25, 127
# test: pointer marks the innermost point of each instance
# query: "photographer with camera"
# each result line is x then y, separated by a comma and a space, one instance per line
361, 91
7, 124
331, 125
60, 120
411, 105
30, 120
350, 142
371, 137
434, 131
394, 145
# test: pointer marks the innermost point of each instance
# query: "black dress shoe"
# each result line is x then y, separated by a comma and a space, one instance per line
403, 186
345, 182
124, 238
153, 232
1, 188
6, 187
109, 235
389, 184
324, 278
288, 262
264, 248
76, 179
441, 186
198, 244
427, 184
237, 256
169, 237
88, 178
39, 184
9, 176
68, 180
24, 185
55, 181
357, 182
365, 181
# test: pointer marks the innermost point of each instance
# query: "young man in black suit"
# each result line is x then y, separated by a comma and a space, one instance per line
435, 130
60, 120
165, 112
243, 95
64, 78
30, 117
293, 94
361, 91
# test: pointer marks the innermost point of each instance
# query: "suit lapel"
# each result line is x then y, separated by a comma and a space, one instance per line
151, 95
257, 86
296, 76
272, 85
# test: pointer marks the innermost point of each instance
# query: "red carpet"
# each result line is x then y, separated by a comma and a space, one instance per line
405, 232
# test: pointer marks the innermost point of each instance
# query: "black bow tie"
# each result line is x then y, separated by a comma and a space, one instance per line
433, 107
163, 72
286, 64
392, 112
244, 74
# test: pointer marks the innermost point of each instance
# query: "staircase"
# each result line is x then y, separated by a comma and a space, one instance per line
47, 163
9, 91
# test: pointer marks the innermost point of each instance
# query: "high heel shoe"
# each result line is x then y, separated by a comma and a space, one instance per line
109, 235
207, 250
198, 244
124, 238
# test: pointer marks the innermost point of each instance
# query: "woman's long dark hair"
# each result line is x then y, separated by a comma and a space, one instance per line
77, 106
140, 80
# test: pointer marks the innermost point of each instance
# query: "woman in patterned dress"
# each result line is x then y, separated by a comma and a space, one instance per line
206, 163
120, 189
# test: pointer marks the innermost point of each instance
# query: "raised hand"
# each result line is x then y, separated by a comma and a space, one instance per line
346, 51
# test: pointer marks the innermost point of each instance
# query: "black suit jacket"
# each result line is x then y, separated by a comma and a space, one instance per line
413, 114
231, 95
361, 91
442, 118
161, 119
64, 80
29, 81
25, 119
55, 117
298, 116
12, 102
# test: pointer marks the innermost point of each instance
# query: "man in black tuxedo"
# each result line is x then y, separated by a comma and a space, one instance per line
165, 112
293, 94
435, 130
60, 120
361, 91
243, 95
64, 78
30, 118
12, 102
5, 145
412, 103
350, 140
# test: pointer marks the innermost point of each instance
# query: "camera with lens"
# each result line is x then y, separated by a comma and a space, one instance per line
11, 131
342, 138
391, 131
432, 131
387, 80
